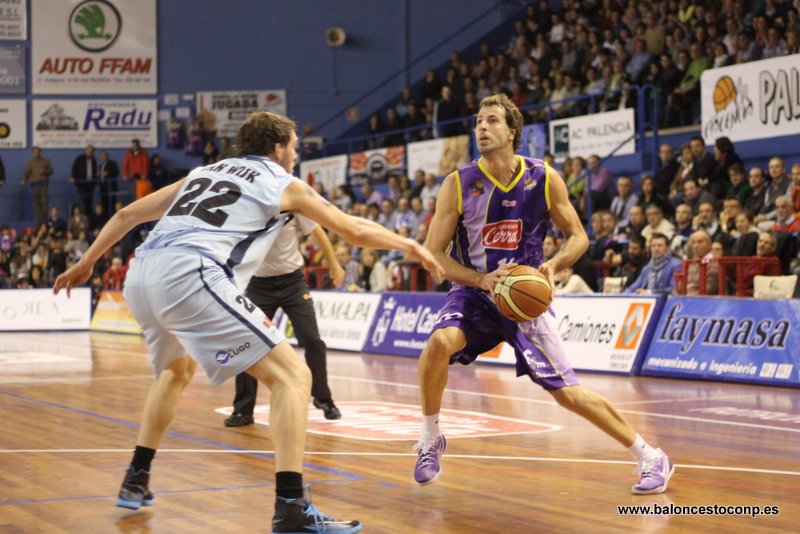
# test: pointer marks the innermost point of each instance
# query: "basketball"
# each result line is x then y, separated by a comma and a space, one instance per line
724, 93
523, 294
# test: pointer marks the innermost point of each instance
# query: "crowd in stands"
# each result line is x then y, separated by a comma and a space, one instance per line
598, 49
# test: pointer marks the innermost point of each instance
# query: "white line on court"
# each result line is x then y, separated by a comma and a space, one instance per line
397, 454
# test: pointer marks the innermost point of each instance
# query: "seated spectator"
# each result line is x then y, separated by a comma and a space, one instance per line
656, 224
731, 208
569, 283
403, 216
701, 249
78, 222
159, 177
628, 263
706, 219
373, 277
778, 186
668, 168
636, 222
755, 204
342, 198
601, 184
549, 247
786, 220
738, 186
746, 48
683, 231
352, 271
649, 195
114, 277
746, 235
55, 224
706, 165
684, 97
693, 196
430, 188
37, 278
658, 276
624, 200
685, 172
386, 216
794, 191
370, 196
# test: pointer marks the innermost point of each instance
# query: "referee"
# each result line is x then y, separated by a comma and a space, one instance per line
278, 283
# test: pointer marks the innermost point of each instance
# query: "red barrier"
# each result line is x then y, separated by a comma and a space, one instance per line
735, 275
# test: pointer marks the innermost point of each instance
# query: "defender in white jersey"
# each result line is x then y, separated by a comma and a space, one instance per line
185, 288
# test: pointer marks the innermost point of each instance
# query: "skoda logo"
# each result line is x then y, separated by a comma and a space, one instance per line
94, 25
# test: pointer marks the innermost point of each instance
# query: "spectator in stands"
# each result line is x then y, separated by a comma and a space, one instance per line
776, 46
42, 255
628, 263
56, 226
549, 246
746, 48
738, 187
393, 123
793, 47
778, 183
432, 86
731, 208
648, 195
725, 157
159, 177
767, 245
136, 163
403, 216
78, 222
601, 184
701, 249
107, 172
666, 171
756, 203
38, 172
794, 190
656, 224
636, 222
624, 200
226, 149
687, 94
658, 276
342, 198
706, 219
639, 61
352, 271
386, 216
84, 176
370, 195
445, 110
569, 283
114, 277
746, 235
430, 188
693, 196
785, 219
374, 127
416, 120
373, 277
705, 165
722, 56
406, 99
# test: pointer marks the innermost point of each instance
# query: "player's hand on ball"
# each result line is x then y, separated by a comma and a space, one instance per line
549, 272
490, 280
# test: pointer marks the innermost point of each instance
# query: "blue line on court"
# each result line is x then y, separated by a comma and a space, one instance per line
174, 434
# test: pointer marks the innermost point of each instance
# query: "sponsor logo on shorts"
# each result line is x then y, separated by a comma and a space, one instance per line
224, 356
502, 234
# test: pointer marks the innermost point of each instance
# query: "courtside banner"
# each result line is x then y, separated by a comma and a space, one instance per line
13, 20
330, 172
741, 340
40, 309
438, 156
606, 333
102, 123
403, 323
755, 100
94, 47
599, 133
13, 124
343, 318
113, 314
225, 111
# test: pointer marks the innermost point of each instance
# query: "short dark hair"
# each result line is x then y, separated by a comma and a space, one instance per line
261, 131
659, 235
513, 116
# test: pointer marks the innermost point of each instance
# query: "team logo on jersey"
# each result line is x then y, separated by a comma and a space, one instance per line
530, 183
502, 234
94, 25
476, 189
508, 203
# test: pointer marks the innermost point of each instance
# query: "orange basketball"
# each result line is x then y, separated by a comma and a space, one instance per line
724, 93
524, 294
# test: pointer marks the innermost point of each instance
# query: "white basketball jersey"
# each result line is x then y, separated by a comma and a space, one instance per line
228, 212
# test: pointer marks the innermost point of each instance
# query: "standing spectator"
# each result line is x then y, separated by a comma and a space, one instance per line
658, 276
108, 172
84, 176
601, 184
136, 163
38, 172
447, 109
625, 199
667, 169
158, 174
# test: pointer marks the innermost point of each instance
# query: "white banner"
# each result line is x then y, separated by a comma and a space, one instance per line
343, 318
39, 309
13, 124
13, 20
94, 47
330, 172
438, 156
593, 134
599, 333
755, 100
224, 111
102, 123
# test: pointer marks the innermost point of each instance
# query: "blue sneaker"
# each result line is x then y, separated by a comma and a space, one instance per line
655, 472
428, 470
299, 516
134, 492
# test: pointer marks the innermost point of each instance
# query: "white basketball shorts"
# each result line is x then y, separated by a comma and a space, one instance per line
186, 304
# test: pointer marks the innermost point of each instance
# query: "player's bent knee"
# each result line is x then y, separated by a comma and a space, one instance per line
181, 370
444, 343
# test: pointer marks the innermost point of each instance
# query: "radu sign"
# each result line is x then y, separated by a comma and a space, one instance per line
754, 100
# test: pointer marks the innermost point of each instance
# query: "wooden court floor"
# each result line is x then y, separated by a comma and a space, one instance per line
70, 405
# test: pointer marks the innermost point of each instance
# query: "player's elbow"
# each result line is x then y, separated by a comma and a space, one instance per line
582, 242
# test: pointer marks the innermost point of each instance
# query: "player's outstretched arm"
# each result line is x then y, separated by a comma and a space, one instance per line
566, 218
146, 209
440, 234
300, 197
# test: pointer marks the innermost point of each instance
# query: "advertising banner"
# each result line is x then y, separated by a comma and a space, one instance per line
342, 318
403, 323
330, 172
102, 123
94, 47
755, 100
439, 156
13, 124
113, 315
224, 111
40, 309
742, 340
12, 69
375, 166
599, 134
13, 20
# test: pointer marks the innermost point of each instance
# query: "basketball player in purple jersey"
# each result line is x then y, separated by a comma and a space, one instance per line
496, 212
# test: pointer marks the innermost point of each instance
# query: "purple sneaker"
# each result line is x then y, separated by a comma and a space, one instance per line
655, 472
427, 469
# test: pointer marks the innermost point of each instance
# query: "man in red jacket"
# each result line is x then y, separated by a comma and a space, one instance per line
136, 163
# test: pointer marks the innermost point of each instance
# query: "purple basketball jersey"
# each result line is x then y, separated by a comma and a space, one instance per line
501, 224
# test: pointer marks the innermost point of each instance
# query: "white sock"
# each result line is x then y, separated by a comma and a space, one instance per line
641, 449
430, 427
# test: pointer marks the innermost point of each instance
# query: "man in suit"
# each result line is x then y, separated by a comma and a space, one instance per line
84, 174
107, 171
